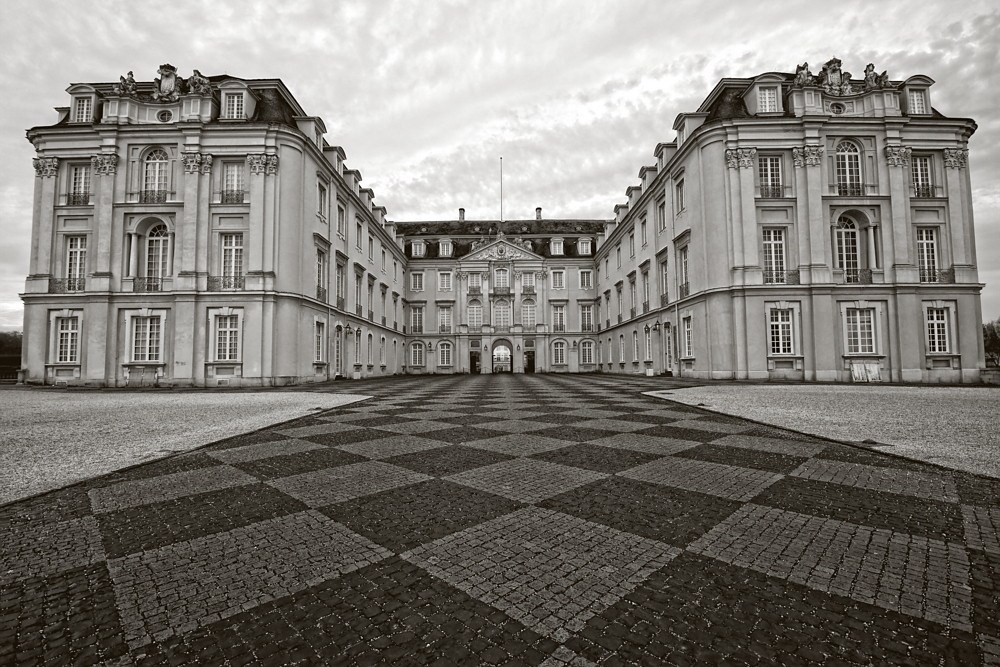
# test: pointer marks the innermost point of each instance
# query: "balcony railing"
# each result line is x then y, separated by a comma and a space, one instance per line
416, 328
587, 327
321, 292
559, 327
631, 312
66, 285
475, 291
475, 329
371, 315
853, 189
340, 302
664, 299
527, 289
858, 276
501, 291
153, 197
607, 324
683, 290
645, 306
78, 199
501, 328
925, 191
444, 328
383, 320
231, 197
774, 277
792, 277
619, 318
772, 191
937, 276
147, 285
220, 283
359, 310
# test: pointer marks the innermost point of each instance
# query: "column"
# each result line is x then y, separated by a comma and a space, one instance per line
902, 262
255, 243
105, 168
46, 169
960, 224
187, 225
133, 255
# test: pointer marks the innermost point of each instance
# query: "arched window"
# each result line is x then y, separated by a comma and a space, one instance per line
417, 354
635, 346
501, 278
444, 354
381, 352
587, 352
528, 313
501, 315
559, 353
157, 257
621, 348
154, 177
357, 346
370, 350
848, 170
475, 315
847, 249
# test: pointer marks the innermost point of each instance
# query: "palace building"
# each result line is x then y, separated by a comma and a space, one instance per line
203, 232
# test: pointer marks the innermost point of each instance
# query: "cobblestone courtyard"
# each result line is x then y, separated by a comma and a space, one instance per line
524, 520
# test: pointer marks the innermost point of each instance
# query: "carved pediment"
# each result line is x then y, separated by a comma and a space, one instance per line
499, 250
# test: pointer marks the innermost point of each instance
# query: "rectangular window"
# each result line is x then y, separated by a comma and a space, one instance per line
371, 248
322, 270
927, 254
417, 281
687, 339
232, 255
475, 315
444, 319
587, 318
322, 201
618, 254
679, 196
664, 281
341, 220
780, 323
584, 247
558, 280
234, 105
768, 100
227, 338
418, 248
557, 246
417, 354
79, 187
559, 318
683, 287
475, 281
937, 331
76, 263
774, 255
417, 319
920, 168
319, 342
444, 281
359, 231
661, 215
559, 354
358, 282
68, 340
769, 175
586, 352
83, 110
341, 283
527, 279
631, 244
642, 232
645, 288
528, 314
586, 279
444, 354
860, 331
648, 346
631, 294
918, 101
618, 292
146, 336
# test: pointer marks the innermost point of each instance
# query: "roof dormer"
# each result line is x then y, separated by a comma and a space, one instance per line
83, 107
917, 95
763, 97
238, 103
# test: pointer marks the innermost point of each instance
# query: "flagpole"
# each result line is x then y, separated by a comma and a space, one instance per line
501, 189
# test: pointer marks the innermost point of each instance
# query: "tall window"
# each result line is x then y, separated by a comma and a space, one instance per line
417, 319
527, 281
847, 249
371, 350
416, 281
679, 196
920, 169
587, 317
232, 184
319, 342
83, 110
528, 314
780, 326
618, 255
682, 265
558, 279
774, 255
475, 314
444, 354
618, 293
476, 281
587, 352
642, 231
661, 215
769, 173
631, 244
359, 231
154, 179
68, 340
501, 278
918, 101
664, 281
860, 331
322, 201
157, 255
358, 282
357, 346
501, 314
768, 99
927, 254
937, 331
79, 187
848, 169
341, 284
322, 273
645, 290
417, 354
648, 345
559, 353
621, 348
444, 281
559, 318
381, 351
687, 340
631, 295
341, 220
371, 248
146, 337
227, 337
234, 105
635, 346
586, 279
444, 319
232, 255
76, 263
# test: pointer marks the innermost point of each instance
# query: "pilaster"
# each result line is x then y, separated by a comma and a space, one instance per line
904, 270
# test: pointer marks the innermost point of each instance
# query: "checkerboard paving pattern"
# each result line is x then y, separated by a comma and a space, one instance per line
523, 520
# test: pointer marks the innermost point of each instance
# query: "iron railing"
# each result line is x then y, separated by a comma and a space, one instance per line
340, 302
683, 290
321, 292
231, 196
78, 199
444, 328
772, 191
858, 276
153, 197
937, 276
774, 277
528, 289
664, 299
66, 285
219, 283
147, 285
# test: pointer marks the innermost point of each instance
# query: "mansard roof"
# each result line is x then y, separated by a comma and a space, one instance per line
532, 234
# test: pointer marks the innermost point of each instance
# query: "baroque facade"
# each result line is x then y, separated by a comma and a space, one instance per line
798, 227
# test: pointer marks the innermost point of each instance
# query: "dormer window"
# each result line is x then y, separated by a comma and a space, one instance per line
233, 105
418, 248
557, 246
767, 99
917, 101
83, 110
445, 249
584, 247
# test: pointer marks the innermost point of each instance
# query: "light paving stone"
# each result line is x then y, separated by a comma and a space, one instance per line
264, 450
166, 487
715, 479
905, 573
564, 657
709, 425
982, 528
416, 426
617, 425
551, 571
593, 413
39, 550
334, 485
438, 414
891, 480
650, 444
514, 426
519, 444
772, 445
333, 425
185, 585
667, 413
390, 446
526, 480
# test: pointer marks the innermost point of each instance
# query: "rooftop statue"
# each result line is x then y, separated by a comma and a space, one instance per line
167, 85
198, 84
126, 85
833, 80
803, 77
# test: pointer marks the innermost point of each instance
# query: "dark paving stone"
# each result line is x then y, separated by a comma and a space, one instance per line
572, 433
746, 458
62, 505
359, 434
388, 613
985, 581
872, 458
662, 513
64, 619
557, 418
700, 611
668, 431
151, 526
448, 460
468, 419
404, 518
974, 490
255, 438
651, 419
459, 435
877, 509
594, 457
293, 464
377, 421
167, 466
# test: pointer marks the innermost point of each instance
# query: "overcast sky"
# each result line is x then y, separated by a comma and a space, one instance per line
426, 96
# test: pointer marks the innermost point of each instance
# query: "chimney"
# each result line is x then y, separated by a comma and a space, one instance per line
461, 215
538, 213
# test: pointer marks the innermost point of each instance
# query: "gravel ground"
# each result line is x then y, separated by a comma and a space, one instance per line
51, 438
954, 427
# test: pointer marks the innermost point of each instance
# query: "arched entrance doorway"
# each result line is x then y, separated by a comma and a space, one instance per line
503, 358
